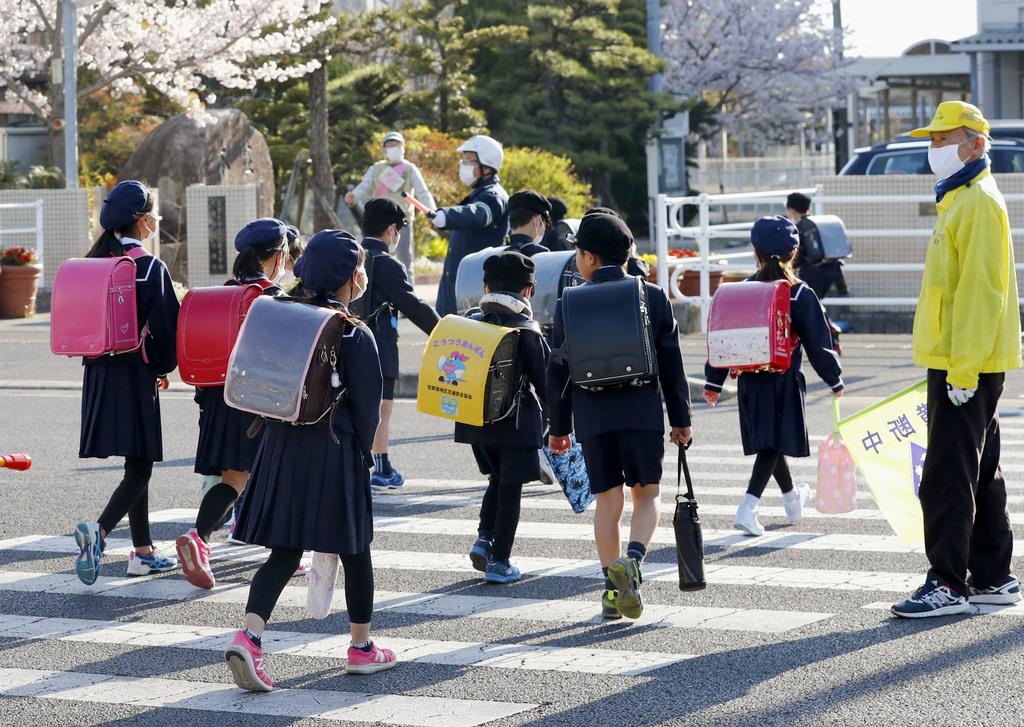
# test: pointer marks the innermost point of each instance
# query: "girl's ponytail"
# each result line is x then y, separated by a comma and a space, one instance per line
775, 268
107, 245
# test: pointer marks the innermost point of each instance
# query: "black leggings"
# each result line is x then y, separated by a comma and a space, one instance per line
132, 498
273, 576
769, 463
499, 516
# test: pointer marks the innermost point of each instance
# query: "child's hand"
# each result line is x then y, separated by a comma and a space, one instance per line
711, 397
681, 435
838, 394
162, 383
559, 445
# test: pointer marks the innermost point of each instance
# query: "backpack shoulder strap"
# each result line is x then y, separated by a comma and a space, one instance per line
530, 326
136, 252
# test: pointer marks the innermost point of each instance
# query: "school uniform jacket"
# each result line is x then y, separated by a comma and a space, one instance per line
308, 492
524, 244
120, 406
392, 293
771, 405
224, 443
638, 408
479, 221
525, 428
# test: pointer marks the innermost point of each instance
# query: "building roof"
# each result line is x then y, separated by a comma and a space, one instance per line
992, 39
942, 64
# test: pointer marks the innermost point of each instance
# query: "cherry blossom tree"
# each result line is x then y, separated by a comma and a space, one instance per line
176, 47
765, 67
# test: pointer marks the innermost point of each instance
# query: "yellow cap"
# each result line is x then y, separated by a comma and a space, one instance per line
952, 115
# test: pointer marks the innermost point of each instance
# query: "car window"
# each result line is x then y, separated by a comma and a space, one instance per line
1007, 161
913, 161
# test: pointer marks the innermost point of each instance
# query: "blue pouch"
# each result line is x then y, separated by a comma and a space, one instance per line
571, 473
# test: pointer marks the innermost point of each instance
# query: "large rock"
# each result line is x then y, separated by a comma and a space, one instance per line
180, 152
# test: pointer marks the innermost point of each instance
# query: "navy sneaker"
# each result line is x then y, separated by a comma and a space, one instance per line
1001, 594
90, 546
498, 572
934, 598
480, 554
144, 565
392, 481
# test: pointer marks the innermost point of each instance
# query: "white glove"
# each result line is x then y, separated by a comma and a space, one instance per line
959, 396
438, 219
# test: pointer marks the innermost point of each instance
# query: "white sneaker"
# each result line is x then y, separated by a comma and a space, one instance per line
794, 502
746, 517
320, 580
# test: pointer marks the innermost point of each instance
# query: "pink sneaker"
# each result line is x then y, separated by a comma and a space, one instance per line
369, 662
245, 660
194, 555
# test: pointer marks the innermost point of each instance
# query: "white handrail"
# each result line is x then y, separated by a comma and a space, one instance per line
37, 230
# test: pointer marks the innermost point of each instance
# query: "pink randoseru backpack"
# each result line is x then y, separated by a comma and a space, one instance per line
93, 309
837, 474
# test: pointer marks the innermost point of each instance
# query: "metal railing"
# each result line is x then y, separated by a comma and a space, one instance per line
668, 225
37, 230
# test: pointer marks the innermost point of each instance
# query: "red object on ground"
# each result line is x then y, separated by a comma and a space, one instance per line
15, 461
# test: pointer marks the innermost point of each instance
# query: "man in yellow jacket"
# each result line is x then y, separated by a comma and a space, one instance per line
967, 334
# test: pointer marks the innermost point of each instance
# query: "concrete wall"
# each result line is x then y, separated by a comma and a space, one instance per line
66, 227
215, 215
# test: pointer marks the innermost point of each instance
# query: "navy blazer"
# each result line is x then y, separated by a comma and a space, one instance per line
158, 308
390, 293
525, 429
479, 221
627, 407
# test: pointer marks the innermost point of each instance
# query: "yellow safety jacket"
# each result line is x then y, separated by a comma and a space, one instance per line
968, 316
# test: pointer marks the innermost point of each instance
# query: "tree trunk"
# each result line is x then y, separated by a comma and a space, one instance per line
319, 149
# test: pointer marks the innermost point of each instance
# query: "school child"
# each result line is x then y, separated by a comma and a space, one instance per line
621, 429
506, 450
225, 450
310, 491
529, 216
390, 293
771, 405
120, 399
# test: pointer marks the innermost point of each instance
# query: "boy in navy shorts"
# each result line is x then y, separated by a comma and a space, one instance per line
621, 429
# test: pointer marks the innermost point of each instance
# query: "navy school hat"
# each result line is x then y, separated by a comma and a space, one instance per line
606, 235
383, 212
774, 235
262, 232
530, 200
511, 268
330, 258
124, 204
558, 208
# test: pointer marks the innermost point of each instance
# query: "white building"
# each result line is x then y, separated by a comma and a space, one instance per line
996, 54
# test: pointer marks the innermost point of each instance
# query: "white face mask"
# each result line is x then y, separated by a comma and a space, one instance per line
152, 234
394, 153
279, 270
358, 285
286, 280
466, 173
945, 161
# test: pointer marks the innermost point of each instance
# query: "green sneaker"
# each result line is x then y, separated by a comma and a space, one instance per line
625, 575
609, 611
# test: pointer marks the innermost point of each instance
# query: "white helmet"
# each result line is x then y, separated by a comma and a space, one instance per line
488, 151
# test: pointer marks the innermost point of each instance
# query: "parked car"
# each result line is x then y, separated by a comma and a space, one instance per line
911, 157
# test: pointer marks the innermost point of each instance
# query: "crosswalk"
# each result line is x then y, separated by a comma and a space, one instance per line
470, 654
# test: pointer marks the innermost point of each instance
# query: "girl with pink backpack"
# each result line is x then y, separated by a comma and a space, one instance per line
120, 391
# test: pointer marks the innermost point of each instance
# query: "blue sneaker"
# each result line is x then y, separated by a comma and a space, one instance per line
498, 572
392, 481
155, 562
934, 598
90, 545
480, 554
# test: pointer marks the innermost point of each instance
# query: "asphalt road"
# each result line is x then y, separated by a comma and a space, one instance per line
782, 636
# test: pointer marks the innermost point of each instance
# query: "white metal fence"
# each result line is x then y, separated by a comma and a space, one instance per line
36, 229
669, 226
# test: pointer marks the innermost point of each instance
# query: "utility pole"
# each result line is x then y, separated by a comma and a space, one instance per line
70, 94
840, 117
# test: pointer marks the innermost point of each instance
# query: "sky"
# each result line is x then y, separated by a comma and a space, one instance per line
888, 27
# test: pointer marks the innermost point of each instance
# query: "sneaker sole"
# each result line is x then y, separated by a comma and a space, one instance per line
370, 668
747, 531
479, 560
993, 599
243, 671
190, 567
628, 601
85, 565
944, 611
500, 580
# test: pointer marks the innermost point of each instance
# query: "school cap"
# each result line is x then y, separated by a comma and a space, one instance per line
330, 258
262, 232
381, 212
774, 235
602, 211
532, 201
510, 268
394, 136
605, 235
952, 115
558, 208
123, 205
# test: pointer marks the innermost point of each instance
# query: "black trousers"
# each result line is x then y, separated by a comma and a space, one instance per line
963, 495
131, 498
499, 516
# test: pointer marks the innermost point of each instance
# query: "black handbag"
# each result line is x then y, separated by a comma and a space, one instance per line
686, 524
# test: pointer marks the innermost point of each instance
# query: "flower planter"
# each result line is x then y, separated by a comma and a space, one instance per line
689, 281
18, 287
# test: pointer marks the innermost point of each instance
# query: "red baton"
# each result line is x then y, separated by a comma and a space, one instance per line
15, 461
418, 205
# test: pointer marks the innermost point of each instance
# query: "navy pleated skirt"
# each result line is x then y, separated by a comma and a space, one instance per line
223, 444
307, 493
120, 409
772, 413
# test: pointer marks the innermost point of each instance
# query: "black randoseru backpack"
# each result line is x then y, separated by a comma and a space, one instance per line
506, 381
608, 337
